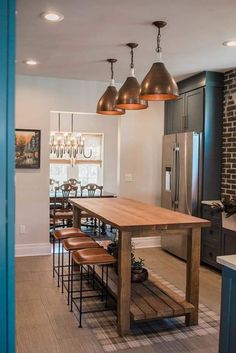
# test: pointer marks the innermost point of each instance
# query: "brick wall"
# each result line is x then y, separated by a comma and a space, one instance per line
228, 186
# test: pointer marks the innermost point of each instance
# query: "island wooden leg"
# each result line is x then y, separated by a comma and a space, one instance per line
76, 217
192, 278
124, 283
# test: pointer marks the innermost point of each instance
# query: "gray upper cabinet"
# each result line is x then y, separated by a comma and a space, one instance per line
174, 112
193, 112
185, 113
198, 105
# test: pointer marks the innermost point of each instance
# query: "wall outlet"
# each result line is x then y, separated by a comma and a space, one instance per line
22, 229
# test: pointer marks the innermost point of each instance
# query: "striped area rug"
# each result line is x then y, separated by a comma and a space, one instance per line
104, 327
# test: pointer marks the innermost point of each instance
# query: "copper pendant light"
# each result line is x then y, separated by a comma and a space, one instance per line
107, 103
128, 97
158, 83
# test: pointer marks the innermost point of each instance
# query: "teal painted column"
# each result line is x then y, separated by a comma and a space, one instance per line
228, 311
7, 217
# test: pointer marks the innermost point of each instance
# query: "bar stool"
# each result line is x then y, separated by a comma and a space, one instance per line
72, 244
59, 235
90, 257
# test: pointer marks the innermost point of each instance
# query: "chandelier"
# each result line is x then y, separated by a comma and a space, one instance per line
70, 145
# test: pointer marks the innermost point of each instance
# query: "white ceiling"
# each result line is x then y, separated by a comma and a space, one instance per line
94, 30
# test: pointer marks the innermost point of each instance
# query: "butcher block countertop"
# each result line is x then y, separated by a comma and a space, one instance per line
125, 213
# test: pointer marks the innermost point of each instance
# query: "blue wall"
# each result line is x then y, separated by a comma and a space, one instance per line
7, 76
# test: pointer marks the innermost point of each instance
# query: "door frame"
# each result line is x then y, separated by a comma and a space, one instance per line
7, 196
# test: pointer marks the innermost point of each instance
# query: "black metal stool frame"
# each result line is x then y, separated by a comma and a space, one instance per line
81, 291
68, 276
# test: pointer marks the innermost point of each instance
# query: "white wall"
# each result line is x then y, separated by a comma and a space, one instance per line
133, 145
35, 98
141, 153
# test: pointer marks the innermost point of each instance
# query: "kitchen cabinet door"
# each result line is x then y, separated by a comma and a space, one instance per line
168, 117
193, 112
174, 112
229, 239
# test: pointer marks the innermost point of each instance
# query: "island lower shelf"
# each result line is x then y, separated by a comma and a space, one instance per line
151, 299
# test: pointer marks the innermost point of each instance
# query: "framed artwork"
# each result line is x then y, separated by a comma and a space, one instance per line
27, 148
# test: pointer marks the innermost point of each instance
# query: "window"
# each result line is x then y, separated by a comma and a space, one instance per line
59, 172
89, 173
86, 170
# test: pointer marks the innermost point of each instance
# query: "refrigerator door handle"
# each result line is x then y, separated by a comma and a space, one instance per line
177, 175
173, 178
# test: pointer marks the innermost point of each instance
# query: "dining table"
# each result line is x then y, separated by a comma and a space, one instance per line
97, 194
153, 299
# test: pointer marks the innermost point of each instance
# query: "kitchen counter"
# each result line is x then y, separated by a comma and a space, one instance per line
227, 261
210, 202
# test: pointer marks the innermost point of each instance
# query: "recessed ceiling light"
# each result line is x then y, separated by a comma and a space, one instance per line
52, 16
30, 62
230, 43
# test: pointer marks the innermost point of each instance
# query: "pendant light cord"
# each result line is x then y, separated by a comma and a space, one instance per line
111, 61
158, 48
72, 123
59, 122
112, 71
132, 58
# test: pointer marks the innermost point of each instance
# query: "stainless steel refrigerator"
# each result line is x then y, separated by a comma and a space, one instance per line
181, 183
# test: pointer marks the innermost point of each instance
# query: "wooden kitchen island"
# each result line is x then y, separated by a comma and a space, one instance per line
152, 300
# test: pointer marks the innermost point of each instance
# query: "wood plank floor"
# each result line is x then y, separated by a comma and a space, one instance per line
44, 324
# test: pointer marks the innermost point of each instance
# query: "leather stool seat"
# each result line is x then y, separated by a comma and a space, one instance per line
79, 243
95, 256
70, 232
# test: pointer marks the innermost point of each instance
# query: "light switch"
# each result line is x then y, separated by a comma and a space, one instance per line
128, 178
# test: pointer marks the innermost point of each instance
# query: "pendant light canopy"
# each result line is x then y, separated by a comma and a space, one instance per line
158, 83
128, 97
107, 103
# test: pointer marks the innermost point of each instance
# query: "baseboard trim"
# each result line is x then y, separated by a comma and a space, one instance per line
40, 249
147, 242
36, 249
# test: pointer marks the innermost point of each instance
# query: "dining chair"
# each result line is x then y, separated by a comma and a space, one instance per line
62, 215
73, 182
91, 190
53, 183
